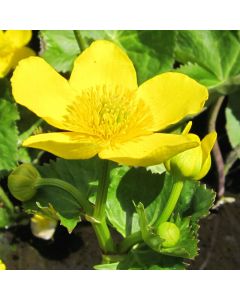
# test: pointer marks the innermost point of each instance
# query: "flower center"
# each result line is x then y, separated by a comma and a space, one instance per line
111, 114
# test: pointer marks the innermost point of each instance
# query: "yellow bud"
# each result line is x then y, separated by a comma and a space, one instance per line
170, 233
21, 182
193, 163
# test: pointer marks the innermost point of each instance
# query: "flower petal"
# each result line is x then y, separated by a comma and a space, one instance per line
172, 96
6, 64
68, 145
101, 64
20, 54
18, 38
42, 90
207, 144
149, 150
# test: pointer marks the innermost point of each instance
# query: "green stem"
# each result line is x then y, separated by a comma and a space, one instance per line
76, 194
130, 241
99, 214
172, 201
80, 40
6, 201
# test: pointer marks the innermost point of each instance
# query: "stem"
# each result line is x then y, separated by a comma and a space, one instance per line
6, 201
99, 214
130, 241
172, 201
80, 40
74, 192
216, 149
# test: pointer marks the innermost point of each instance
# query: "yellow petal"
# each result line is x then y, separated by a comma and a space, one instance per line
37, 86
18, 38
68, 145
172, 96
103, 63
21, 53
207, 144
149, 150
5, 64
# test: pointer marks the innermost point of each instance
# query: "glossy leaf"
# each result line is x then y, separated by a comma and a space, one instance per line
59, 48
211, 57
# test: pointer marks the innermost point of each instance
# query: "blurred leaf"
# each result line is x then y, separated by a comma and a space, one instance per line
59, 48
212, 57
5, 218
8, 135
151, 51
233, 119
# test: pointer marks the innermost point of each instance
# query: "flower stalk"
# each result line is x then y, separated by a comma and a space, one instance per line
80, 40
74, 192
99, 214
171, 203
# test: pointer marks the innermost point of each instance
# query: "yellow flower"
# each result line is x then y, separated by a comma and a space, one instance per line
2, 266
193, 163
12, 48
103, 111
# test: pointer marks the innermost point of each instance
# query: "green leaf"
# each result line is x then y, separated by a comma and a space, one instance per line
187, 245
129, 186
151, 51
211, 57
111, 266
80, 173
59, 48
144, 258
8, 135
233, 119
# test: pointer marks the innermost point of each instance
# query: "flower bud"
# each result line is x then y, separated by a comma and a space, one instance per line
21, 182
193, 163
170, 233
43, 227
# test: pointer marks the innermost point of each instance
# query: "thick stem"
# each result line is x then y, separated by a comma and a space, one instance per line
216, 149
99, 214
80, 40
74, 192
6, 201
172, 201
130, 241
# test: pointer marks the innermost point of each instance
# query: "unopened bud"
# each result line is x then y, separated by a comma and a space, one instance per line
21, 182
170, 233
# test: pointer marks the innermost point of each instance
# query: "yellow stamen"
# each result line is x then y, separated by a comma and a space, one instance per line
110, 113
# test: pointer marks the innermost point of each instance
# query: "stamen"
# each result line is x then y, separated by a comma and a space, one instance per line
112, 114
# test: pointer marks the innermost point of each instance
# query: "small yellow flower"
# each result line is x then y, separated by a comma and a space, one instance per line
43, 227
101, 109
193, 163
2, 265
12, 48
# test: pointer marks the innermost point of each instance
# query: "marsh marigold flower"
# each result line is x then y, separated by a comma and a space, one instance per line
101, 109
2, 266
13, 48
193, 163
